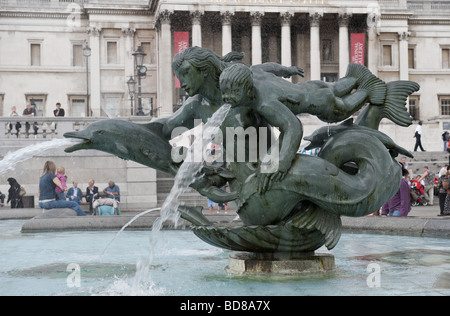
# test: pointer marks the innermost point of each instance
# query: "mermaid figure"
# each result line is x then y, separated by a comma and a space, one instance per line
298, 206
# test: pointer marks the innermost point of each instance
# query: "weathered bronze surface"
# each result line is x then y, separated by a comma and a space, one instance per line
296, 207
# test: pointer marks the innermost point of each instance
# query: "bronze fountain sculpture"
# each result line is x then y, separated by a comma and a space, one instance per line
290, 203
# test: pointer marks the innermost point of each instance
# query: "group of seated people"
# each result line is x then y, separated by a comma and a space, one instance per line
100, 203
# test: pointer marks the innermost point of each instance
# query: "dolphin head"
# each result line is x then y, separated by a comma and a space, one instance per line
100, 135
126, 140
318, 138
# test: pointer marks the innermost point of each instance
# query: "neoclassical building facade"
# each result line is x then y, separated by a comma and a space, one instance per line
42, 58
41, 50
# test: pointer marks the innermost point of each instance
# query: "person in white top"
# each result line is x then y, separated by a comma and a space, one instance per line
418, 136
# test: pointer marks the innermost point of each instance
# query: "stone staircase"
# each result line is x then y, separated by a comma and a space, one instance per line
434, 160
191, 197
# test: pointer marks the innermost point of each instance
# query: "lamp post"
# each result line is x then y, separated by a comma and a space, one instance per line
132, 90
141, 72
87, 54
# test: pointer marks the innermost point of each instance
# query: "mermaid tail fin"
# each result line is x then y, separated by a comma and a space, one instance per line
385, 100
395, 105
366, 80
328, 223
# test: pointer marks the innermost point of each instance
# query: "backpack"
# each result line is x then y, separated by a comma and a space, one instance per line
22, 191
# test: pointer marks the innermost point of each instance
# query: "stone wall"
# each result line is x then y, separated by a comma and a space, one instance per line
137, 183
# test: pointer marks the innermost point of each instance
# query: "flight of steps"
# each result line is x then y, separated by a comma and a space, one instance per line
191, 197
434, 160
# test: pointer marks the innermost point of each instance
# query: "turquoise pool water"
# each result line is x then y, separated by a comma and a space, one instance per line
101, 263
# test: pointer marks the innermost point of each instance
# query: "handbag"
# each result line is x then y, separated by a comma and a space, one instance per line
22, 191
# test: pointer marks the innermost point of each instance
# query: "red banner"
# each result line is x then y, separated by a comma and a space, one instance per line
181, 40
358, 47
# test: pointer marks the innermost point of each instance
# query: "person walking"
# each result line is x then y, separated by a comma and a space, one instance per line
442, 186
428, 178
418, 136
400, 203
445, 138
446, 210
47, 184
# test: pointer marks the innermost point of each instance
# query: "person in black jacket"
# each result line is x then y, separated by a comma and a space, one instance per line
2, 199
91, 195
59, 111
14, 194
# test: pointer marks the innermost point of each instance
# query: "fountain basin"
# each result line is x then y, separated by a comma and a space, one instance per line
409, 226
36, 264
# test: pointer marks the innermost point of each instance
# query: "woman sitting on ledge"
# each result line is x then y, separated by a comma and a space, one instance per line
47, 185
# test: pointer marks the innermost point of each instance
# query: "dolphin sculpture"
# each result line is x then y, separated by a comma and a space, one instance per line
128, 141
302, 211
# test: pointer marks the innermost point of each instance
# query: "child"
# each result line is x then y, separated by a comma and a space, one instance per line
61, 175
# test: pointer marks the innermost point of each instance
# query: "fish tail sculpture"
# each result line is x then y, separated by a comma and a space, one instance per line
386, 100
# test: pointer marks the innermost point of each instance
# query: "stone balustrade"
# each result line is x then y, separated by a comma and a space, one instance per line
47, 128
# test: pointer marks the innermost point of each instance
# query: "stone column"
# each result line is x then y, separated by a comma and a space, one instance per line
197, 28
128, 33
165, 73
344, 47
129, 62
286, 55
373, 20
227, 39
256, 37
403, 55
314, 20
94, 67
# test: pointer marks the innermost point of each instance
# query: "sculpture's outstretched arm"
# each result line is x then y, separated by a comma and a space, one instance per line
184, 117
279, 70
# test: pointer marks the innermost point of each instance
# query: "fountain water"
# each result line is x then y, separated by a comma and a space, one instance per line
186, 175
13, 158
184, 265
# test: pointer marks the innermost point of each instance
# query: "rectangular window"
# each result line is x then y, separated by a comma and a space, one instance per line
445, 105
38, 102
112, 53
112, 107
414, 107
146, 47
79, 107
445, 58
77, 56
35, 54
387, 55
411, 58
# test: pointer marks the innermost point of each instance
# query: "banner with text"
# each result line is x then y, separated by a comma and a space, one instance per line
358, 47
181, 43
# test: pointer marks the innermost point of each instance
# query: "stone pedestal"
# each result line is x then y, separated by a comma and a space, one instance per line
280, 263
